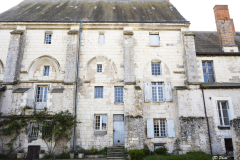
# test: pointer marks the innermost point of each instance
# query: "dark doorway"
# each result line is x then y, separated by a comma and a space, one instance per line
229, 146
33, 152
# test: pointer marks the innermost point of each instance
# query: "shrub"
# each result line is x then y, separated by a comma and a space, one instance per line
47, 157
146, 151
136, 154
103, 151
63, 155
162, 151
2, 156
94, 150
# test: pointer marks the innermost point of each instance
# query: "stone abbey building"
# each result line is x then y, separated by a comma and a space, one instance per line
144, 79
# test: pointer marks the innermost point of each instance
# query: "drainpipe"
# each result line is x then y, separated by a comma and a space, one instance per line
207, 122
76, 96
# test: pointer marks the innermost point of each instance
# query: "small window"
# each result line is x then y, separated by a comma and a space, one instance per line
118, 94
48, 39
154, 40
156, 68
99, 68
101, 122
156, 147
159, 127
208, 71
101, 39
98, 92
41, 94
33, 130
223, 113
46, 71
157, 92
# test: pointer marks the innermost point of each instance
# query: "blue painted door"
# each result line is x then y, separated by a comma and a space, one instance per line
118, 129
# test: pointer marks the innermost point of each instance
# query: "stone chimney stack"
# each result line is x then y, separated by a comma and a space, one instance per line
225, 28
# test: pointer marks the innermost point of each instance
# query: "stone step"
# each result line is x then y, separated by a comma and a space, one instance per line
115, 155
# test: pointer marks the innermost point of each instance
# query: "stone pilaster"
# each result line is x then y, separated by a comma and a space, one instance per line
71, 56
235, 131
190, 57
128, 56
15, 56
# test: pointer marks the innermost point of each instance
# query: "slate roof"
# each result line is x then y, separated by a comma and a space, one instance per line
57, 90
207, 42
21, 90
125, 11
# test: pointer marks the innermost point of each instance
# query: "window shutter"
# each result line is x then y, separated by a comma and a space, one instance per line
154, 40
150, 130
101, 39
229, 112
168, 91
148, 91
171, 129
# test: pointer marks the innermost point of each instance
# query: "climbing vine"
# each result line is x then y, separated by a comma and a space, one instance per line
54, 128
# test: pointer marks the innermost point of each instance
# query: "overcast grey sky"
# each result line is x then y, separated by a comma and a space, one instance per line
198, 12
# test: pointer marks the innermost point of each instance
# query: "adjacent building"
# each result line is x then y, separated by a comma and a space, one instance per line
144, 79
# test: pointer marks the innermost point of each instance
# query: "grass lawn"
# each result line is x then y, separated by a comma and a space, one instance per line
180, 157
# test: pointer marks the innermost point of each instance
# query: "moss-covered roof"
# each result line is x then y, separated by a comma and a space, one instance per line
125, 11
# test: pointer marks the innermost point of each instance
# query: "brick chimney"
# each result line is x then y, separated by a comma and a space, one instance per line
225, 28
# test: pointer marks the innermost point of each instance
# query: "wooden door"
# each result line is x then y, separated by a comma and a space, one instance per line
33, 152
118, 129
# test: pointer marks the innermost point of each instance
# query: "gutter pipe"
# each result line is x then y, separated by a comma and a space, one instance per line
76, 95
210, 142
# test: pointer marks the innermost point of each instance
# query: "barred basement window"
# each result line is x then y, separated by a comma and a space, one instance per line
156, 68
208, 71
159, 127
118, 94
157, 92
47, 128
33, 131
101, 122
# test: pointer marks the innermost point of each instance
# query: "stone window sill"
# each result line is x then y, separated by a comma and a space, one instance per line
161, 137
118, 103
100, 133
154, 45
224, 127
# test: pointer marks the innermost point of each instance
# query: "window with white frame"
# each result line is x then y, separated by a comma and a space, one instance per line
154, 40
157, 92
41, 94
33, 130
99, 68
208, 74
98, 92
118, 94
156, 68
46, 71
100, 122
101, 39
159, 127
223, 113
48, 38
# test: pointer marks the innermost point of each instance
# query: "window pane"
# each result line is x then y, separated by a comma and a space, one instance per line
154, 40
156, 128
155, 68
162, 126
46, 71
154, 94
160, 93
226, 121
98, 92
205, 78
104, 122
210, 70
118, 94
209, 64
210, 78
204, 70
48, 38
97, 123
203, 64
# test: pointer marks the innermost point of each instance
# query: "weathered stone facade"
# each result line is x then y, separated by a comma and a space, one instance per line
176, 118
